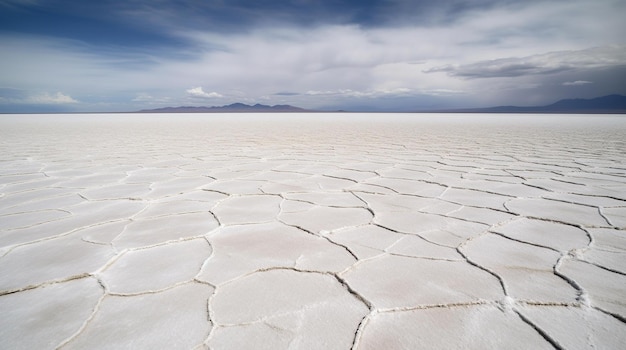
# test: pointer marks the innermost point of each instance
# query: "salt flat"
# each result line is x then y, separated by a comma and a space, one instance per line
312, 231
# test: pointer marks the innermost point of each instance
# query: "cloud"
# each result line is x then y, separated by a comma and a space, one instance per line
58, 98
198, 92
548, 63
147, 98
17, 96
576, 83
355, 52
240, 16
16, 3
143, 97
9, 94
361, 94
443, 92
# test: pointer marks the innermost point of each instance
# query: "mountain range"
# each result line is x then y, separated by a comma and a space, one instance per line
232, 108
600, 105
605, 104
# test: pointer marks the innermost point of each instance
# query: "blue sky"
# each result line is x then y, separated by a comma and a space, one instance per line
398, 55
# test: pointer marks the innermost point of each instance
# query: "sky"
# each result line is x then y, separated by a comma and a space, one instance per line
356, 55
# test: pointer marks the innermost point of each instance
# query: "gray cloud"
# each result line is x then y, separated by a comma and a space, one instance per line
549, 63
286, 93
495, 68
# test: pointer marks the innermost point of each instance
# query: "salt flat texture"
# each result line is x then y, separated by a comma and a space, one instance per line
312, 231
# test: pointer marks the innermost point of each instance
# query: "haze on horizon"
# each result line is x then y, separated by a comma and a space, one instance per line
399, 55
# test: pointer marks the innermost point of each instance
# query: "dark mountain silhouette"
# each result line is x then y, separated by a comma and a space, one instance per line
232, 108
604, 104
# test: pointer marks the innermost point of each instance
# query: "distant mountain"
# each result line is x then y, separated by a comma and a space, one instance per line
604, 104
232, 108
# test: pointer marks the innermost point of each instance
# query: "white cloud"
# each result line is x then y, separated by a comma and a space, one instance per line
198, 92
46, 98
576, 83
359, 94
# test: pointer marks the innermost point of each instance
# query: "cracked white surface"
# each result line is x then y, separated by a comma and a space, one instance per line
241, 250
285, 308
148, 321
526, 271
453, 327
155, 268
312, 231
391, 281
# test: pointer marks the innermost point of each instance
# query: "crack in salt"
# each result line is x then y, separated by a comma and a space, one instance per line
94, 311
43, 284
469, 261
523, 242
608, 221
541, 332
583, 297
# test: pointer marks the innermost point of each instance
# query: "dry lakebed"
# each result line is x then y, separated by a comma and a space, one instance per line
312, 231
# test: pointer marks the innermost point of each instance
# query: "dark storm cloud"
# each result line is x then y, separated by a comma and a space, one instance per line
148, 22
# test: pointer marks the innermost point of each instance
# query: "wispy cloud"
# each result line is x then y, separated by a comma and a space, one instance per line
143, 97
18, 96
16, 3
576, 83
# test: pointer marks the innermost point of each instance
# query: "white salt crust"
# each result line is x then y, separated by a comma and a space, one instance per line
318, 231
